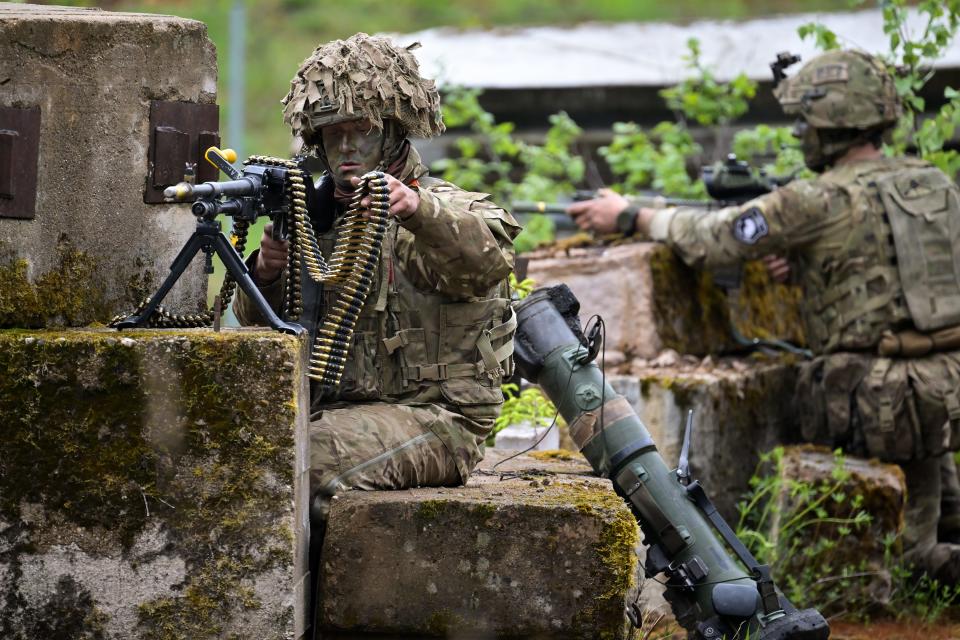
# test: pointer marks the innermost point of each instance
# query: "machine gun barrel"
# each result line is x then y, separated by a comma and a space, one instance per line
248, 185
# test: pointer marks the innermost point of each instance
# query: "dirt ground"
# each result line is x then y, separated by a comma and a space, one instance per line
887, 630
840, 630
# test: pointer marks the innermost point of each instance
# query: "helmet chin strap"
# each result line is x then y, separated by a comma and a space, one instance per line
823, 147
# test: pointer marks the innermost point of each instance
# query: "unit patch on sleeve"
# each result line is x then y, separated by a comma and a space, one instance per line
750, 226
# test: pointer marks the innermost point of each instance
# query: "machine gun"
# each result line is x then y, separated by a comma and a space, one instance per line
729, 182
715, 586
262, 188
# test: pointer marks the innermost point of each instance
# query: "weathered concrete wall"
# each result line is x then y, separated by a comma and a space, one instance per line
651, 301
94, 248
547, 550
152, 484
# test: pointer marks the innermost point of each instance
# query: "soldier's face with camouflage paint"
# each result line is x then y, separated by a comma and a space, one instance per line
352, 148
810, 145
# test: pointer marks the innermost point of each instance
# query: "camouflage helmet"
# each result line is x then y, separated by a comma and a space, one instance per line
841, 90
362, 77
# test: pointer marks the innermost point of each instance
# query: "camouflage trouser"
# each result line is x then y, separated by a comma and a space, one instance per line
390, 446
898, 410
386, 446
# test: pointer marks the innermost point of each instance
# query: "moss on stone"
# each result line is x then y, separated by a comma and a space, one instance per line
684, 389
556, 454
615, 549
209, 597
767, 309
430, 510
67, 295
701, 323
697, 323
444, 621
134, 426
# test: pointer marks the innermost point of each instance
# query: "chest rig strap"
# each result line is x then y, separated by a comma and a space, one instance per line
491, 359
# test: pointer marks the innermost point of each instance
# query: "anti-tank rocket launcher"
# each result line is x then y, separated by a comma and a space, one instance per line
264, 187
715, 586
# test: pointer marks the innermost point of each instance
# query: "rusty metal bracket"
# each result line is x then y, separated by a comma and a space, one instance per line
19, 156
180, 133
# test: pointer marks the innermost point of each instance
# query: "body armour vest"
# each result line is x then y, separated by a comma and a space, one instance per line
887, 258
411, 346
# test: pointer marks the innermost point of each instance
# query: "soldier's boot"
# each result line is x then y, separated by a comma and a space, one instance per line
921, 549
948, 529
943, 563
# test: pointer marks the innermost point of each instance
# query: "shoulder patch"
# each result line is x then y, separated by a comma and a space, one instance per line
750, 226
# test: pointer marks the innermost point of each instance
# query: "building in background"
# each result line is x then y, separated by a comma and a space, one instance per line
604, 73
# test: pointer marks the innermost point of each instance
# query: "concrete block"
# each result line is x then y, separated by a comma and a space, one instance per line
523, 437
152, 484
810, 504
538, 547
742, 408
94, 249
651, 301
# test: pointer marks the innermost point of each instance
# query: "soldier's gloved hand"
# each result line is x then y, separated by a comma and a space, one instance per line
777, 267
403, 200
600, 214
271, 259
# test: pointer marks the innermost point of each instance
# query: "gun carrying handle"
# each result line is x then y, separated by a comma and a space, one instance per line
222, 160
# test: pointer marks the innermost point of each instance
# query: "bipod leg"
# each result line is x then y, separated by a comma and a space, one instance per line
241, 274
195, 243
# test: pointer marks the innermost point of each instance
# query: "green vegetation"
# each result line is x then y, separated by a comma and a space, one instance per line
281, 33
912, 55
830, 545
529, 406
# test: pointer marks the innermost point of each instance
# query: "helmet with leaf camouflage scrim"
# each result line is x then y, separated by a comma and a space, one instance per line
362, 77
841, 90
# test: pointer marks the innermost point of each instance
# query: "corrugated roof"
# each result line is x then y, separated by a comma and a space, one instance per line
634, 54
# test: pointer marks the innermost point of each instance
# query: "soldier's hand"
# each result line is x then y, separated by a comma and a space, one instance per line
271, 259
777, 267
600, 214
403, 200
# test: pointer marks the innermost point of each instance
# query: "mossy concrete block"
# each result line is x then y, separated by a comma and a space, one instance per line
94, 249
831, 489
153, 484
546, 550
740, 412
651, 301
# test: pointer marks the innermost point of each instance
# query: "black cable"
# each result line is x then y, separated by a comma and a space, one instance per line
552, 425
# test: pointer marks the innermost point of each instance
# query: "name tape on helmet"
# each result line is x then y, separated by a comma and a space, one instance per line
836, 72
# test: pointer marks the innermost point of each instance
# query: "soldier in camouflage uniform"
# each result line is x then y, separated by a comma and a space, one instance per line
875, 243
434, 339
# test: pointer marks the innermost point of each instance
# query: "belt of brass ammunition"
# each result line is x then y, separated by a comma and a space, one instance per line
352, 267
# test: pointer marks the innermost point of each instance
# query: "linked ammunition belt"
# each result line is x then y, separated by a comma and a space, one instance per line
352, 267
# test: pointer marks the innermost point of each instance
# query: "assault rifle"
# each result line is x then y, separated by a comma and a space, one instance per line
729, 182
260, 189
